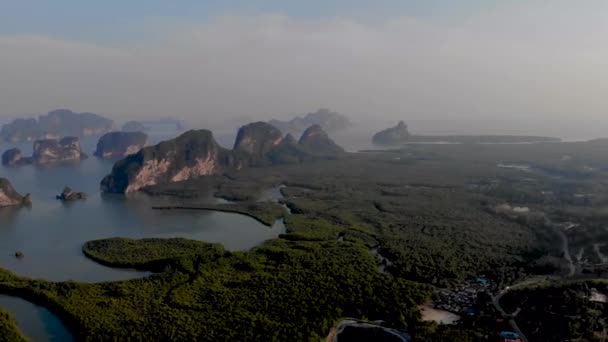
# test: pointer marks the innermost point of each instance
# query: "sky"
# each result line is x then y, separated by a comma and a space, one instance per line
508, 66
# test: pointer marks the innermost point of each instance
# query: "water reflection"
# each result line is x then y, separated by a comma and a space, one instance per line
8, 214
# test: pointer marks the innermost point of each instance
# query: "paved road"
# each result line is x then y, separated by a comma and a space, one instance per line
566, 251
507, 316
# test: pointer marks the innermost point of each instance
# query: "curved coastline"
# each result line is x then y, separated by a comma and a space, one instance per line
70, 323
216, 208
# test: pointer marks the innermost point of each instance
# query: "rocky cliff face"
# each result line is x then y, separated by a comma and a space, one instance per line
196, 154
13, 157
316, 141
193, 154
392, 136
120, 144
55, 124
52, 150
10, 197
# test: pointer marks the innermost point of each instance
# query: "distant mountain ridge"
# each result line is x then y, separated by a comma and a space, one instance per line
56, 124
197, 154
329, 121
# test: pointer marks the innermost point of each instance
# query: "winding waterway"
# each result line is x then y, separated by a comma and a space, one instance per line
36, 322
50, 234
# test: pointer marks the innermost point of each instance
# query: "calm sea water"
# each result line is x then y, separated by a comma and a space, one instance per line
51, 233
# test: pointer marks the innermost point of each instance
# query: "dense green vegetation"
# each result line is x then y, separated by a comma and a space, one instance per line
8, 328
280, 291
147, 254
554, 312
438, 214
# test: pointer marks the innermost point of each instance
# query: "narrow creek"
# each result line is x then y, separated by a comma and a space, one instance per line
36, 322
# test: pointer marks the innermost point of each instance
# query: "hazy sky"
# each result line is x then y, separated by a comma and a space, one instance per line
530, 60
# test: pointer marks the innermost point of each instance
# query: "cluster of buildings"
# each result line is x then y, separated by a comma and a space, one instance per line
509, 336
462, 300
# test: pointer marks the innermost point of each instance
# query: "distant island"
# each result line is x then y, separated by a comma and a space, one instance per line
56, 124
394, 135
399, 135
46, 151
197, 154
120, 144
329, 121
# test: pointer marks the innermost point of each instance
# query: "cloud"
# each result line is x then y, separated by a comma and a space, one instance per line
527, 62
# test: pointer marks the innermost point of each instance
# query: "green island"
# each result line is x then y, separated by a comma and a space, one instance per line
372, 236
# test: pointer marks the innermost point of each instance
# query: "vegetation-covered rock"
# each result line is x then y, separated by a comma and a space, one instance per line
196, 154
317, 142
400, 135
56, 124
257, 139
13, 157
392, 136
120, 144
53, 150
192, 154
67, 195
328, 120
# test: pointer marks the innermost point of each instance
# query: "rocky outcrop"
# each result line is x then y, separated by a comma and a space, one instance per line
193, 154
52, 150
45, 152
392, 136
328, 120
120, 144
257, 138
316, 141
10, 197
13, 157
133, 126
196, 154
55, 124
68, 195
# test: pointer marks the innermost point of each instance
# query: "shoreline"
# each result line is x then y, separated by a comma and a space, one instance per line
221, 210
